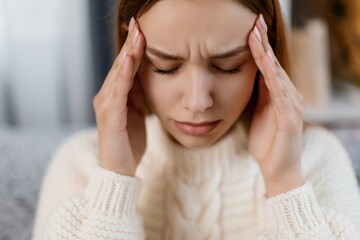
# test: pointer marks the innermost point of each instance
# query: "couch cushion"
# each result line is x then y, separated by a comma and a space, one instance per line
23, 159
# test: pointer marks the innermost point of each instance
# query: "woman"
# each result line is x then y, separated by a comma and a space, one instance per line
226, 154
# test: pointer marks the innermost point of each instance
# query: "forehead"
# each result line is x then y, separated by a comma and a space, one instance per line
205, 23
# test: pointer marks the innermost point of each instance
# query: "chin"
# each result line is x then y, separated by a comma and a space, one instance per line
191, 142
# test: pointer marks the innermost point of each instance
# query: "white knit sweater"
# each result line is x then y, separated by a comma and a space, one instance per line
213, 193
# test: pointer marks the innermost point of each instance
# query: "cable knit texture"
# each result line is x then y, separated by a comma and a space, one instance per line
209, 193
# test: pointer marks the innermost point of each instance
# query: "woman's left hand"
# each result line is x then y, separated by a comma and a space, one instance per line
275, 137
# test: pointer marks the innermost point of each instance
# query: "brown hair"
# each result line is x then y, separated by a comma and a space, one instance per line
270, 9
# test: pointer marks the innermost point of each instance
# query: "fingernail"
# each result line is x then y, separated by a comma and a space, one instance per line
271, 58
132, 23
263, 23
136, 36
257, 33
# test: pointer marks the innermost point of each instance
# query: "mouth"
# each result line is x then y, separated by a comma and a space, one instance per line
196, 129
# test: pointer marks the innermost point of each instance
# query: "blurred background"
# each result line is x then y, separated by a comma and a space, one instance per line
54, 56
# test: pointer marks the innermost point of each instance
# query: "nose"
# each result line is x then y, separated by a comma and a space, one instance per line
197, 94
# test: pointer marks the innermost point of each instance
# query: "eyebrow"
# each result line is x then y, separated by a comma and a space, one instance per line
167, 56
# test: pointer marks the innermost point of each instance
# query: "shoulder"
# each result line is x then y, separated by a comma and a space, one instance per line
77, 154
317, 138
80, 143
324, 152
327, 166
70, 168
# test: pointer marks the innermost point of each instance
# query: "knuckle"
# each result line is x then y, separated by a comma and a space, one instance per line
116, 63
100, 107
278, 73
302, 109
99, 111
299, 110
96, 101
300, 97
263, 57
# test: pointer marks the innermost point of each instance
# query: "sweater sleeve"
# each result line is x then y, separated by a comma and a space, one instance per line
327, 206
81, 200
105, 210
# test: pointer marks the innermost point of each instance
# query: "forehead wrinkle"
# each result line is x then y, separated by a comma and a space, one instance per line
223, 54
177, 31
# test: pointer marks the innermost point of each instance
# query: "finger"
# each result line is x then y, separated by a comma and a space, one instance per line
134, 48
119, 60
264, 64
138, 45
261, 47
113, 106
123, 85
272, 78
256, 47
288, 84
262, 27
283, 100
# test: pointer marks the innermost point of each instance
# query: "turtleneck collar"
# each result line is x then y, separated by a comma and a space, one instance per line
195, 165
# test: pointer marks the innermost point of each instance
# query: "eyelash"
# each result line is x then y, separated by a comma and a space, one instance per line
222, 71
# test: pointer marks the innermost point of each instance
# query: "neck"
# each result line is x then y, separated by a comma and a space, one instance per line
193, 165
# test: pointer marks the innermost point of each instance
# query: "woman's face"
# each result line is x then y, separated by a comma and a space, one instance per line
197, 66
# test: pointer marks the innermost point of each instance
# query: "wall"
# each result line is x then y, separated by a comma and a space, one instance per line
48, 79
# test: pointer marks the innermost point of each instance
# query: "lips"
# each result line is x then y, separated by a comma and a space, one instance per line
196, 129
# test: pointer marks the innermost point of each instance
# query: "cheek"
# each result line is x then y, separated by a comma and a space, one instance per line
147, 83
155, 90
236, 92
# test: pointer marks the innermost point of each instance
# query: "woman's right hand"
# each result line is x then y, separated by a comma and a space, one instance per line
120, 109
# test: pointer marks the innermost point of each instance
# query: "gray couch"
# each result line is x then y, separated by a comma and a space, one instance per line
25, 154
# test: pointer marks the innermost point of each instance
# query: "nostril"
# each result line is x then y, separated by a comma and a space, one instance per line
198, 103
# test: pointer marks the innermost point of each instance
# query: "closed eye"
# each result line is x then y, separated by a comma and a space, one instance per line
165, 72
230, 71
220, 70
